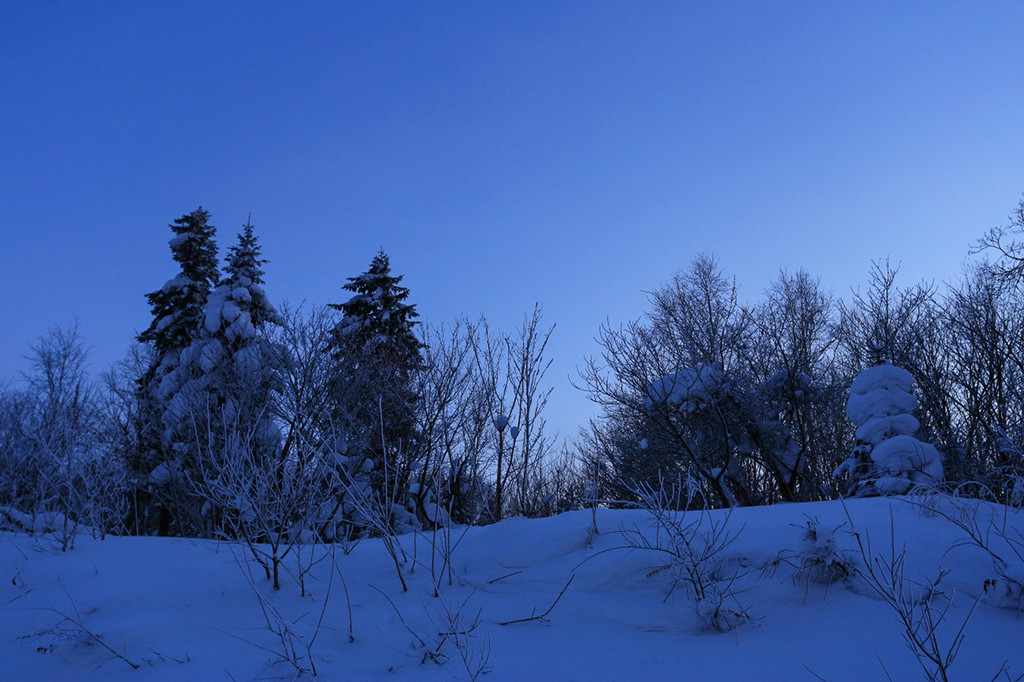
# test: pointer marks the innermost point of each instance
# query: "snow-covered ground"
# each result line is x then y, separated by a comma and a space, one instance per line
183, 609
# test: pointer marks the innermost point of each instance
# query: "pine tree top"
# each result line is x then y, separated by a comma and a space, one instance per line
178, 305
194, 248
244, 264
379, 298
377, 313
239, 306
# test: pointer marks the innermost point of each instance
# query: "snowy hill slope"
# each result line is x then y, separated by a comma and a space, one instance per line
184, 609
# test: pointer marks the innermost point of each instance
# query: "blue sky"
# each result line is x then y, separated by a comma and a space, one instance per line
575, 154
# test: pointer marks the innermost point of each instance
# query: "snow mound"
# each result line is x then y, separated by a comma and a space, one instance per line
877, 429
882, 391
903, 461
886, 376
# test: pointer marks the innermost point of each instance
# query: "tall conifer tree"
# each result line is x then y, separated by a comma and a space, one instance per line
236, 364
377, 357
178, 309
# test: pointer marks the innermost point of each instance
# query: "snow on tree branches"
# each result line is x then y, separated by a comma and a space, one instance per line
887, 458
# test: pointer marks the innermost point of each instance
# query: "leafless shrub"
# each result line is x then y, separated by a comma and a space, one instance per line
695, 543
373, 512
260, 495
534, 616
472, 650
58, 471
920, 606
449, 629
293, 644
992, 530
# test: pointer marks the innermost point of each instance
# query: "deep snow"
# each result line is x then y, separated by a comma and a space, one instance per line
182, 609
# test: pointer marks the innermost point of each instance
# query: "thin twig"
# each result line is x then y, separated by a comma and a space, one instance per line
546, 613
502, 577
398, 613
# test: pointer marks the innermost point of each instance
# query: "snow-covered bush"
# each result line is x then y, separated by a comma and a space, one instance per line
746, 442
887, 459
817, 558
745, 398
820, 559
688, 390
1011, 473
705, 407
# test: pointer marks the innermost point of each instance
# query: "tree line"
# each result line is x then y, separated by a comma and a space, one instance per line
233, 417
748, 404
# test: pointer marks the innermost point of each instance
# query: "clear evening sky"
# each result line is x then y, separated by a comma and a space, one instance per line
571, 153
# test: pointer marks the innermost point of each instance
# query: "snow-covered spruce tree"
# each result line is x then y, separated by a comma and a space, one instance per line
226, 394
887, 459
377, 357
178, 309
231, 352
179, 305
